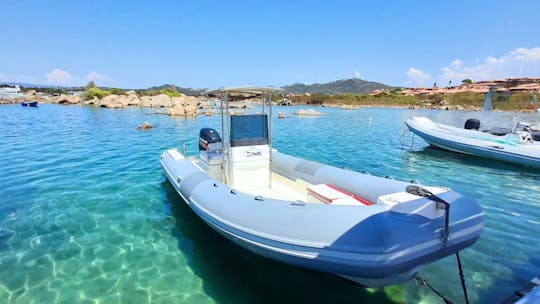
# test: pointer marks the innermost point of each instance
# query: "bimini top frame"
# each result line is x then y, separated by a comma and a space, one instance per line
240, 93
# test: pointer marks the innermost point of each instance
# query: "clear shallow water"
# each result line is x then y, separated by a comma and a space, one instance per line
86, 214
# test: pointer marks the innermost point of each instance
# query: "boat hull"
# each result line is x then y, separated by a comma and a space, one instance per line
33, 104
478, 147
369, 245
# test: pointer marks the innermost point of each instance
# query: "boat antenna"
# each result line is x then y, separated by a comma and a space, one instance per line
488, 102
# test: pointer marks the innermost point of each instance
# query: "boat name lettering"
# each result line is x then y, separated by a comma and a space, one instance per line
253, 153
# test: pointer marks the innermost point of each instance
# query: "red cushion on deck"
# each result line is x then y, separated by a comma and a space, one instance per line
334, 194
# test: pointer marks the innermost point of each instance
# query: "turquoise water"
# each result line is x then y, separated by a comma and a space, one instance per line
86, 214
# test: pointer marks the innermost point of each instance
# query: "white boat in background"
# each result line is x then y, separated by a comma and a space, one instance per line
371, 230
9, 92
516, 147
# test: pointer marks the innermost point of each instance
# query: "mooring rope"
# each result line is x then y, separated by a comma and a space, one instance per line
462, 278
422, 281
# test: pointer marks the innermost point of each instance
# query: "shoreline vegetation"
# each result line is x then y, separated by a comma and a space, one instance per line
461, 101
511, 95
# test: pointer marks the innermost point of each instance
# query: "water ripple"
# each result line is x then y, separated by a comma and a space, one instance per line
86, 214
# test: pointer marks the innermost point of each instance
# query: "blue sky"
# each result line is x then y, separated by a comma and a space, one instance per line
137, 44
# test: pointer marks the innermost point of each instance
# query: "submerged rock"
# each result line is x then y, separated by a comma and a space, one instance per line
308, 112
145, 126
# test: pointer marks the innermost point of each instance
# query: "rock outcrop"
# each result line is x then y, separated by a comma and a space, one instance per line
184, 106
158, 101
132, 100
119, 101
68, 99
112, 101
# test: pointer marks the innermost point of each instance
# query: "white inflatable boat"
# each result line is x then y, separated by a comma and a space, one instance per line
517, 146
371, 230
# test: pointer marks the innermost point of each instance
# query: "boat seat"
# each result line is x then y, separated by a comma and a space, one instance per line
331, 194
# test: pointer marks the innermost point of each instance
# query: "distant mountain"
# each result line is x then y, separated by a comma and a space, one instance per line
352, 86
187, 91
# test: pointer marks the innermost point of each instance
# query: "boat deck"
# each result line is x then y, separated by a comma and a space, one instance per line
284, 189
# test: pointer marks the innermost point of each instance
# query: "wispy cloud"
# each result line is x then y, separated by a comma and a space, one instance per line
521, 62
58, 76
357, 74
95, 76
417, 77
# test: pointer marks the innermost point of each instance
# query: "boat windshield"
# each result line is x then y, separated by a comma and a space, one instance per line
249, 130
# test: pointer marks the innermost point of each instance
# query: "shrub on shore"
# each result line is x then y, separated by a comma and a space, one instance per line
96, 92
390, 99
505, 102
169, 92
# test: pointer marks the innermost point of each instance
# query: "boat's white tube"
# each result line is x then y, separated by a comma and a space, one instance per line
364, 185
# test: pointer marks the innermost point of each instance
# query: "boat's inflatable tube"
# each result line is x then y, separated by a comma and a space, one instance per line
364, 185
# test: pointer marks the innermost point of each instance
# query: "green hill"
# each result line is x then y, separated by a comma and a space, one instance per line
351, 86
187, 91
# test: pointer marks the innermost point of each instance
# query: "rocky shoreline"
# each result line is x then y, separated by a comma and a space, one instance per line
175, 106
191, 106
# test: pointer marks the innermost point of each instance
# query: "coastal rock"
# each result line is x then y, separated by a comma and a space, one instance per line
240, 105
184, 106
208, 103
132, 100
90, 102
159, 101
113, 101
236, 112
31, 93
68, 99
284, 102
308, 112
210, 112
348, 107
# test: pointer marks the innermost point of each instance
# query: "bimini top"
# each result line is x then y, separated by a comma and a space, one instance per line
246, 91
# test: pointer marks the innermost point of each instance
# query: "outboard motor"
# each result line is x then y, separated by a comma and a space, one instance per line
533, 130
210, 152
208, 138
472, 124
